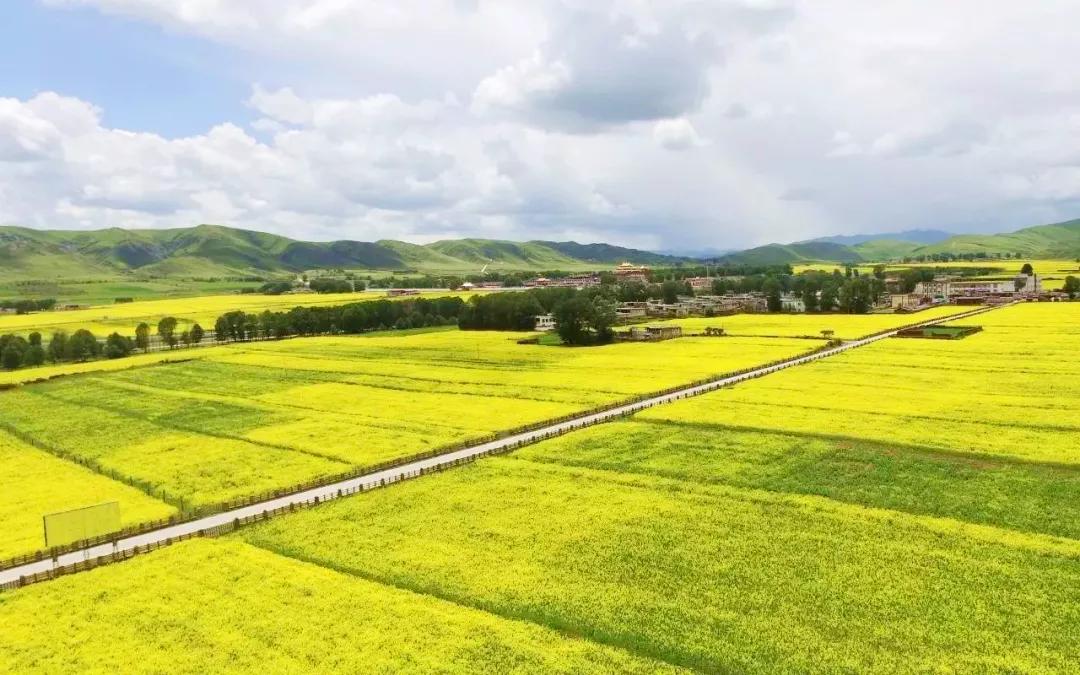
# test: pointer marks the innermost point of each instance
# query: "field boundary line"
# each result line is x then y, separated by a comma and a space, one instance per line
43, 565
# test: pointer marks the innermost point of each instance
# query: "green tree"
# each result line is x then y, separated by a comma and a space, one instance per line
117, 346
810, 297
670, 290
58, 347
603, 318
828, 298
166, 330
34, 356
1027, 269
10, 357
82, 345
197, 334
572, 317
772, 291
34, 339
142, 337
1072, 286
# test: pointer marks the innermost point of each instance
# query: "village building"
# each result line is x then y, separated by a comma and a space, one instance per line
792, 303
545, 322
628, 272
700, 283
649, 333
398, 292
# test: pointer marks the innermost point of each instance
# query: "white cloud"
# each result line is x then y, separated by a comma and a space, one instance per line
676, 134
559, 118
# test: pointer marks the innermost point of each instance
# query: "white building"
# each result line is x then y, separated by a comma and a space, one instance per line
545, 322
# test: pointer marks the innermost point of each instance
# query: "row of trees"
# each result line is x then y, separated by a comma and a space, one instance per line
19, 352
27, 306
356, 317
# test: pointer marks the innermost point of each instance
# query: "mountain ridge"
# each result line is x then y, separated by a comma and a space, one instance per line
216, 250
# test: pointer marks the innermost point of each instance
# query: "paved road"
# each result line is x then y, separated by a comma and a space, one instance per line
405, 471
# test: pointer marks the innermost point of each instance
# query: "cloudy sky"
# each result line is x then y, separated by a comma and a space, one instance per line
666, 124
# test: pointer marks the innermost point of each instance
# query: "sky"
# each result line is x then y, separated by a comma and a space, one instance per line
667, 125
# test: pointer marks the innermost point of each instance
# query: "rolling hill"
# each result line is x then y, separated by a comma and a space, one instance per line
1058, 240
214, 250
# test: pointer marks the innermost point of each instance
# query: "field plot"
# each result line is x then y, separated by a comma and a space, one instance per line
772, 527
1010, 391
245, 419
36, 483
709, 577
203, 310
225, 607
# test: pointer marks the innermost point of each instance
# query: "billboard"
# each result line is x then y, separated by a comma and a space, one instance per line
67, 527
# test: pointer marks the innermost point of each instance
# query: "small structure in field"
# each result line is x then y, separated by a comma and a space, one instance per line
649, 333
939, 332
545, 323
714, 331
398, 292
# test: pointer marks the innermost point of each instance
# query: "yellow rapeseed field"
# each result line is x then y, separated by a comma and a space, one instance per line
124, 317
36, 483
243, 419
226, 607
1011, 390
709, 577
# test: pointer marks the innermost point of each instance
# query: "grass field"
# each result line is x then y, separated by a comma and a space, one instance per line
104, 291
246, 418
204, 310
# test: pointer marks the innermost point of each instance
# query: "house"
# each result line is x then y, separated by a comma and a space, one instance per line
578, 281
649, 333
792, 303
700, 283
628, 272
545, 322
632, 310
906, 301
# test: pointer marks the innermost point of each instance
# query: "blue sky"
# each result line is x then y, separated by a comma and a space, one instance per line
144, 77
673, 124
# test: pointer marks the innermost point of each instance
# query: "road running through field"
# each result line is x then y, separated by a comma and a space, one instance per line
412, 469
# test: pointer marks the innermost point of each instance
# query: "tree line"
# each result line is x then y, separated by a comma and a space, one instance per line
27, 306
358, 317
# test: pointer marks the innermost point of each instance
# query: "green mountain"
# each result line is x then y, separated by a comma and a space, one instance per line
886, 249
214, 250
1058, 240
781, 254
